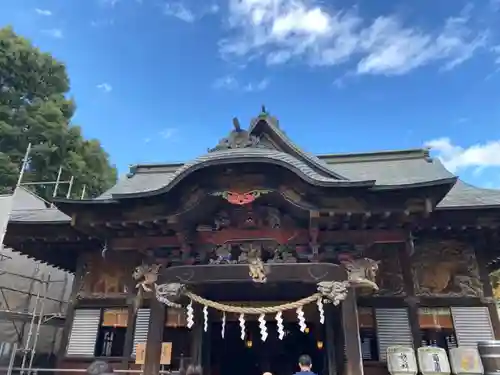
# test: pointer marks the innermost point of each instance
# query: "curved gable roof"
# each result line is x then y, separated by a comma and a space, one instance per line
265, 142
143, 184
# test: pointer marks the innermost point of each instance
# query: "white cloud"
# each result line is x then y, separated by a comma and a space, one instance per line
282, 30
231, 83
54, 33
213, 9
110, 3
168, 133
182, 12
496, 52
43, 12
102, 23
179, 11
478, 156
105, 87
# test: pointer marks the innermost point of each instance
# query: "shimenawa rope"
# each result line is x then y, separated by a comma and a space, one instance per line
253, 310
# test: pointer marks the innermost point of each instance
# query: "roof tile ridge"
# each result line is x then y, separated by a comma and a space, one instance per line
273, 125
375, 156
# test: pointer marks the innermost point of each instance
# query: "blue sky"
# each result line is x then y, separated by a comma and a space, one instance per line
159, 80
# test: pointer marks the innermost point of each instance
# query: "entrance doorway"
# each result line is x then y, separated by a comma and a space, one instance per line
232, 356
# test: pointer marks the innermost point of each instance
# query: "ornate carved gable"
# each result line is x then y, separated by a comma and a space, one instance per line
265, 133
240, 138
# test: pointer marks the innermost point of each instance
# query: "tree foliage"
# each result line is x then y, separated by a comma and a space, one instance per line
35, 108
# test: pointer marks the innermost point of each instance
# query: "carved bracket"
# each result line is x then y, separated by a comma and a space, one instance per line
146, 276
362, 272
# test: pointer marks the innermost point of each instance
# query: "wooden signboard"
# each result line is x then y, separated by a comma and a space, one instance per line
366, 319
176, 318
115, 318
140, 353
435, 318
166, 353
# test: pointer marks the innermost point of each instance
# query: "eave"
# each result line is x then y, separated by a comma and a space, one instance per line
56, 244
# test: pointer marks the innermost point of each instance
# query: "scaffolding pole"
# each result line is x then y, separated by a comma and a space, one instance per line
36, 312
30, 331
46, 287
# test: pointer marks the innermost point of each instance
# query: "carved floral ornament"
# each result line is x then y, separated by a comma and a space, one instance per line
361, 273
241, 198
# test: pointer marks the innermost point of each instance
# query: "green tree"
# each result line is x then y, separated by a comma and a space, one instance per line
35, 108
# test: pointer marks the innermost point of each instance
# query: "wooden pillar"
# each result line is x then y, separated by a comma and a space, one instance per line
129, 336
340, 349
412, 302
495, 319
481, 248
155, 338
72, 303
350, 321
130, 285
330, 345
197, 337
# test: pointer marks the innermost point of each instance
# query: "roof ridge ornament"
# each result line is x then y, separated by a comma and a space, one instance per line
266, 116
236, 124
238, 138
263, 111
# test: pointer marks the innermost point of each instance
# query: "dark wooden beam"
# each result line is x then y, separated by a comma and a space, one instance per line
282, 236
234, 273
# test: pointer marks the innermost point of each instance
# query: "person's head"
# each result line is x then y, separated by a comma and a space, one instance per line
305, 362
194, 370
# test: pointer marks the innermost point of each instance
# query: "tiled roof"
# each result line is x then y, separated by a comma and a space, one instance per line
394, 168
407, 166
378, 170
28, 207
272, 124
463, 195
400, 169
144, 183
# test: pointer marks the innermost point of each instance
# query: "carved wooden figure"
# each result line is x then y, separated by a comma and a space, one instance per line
104, 278
446, 268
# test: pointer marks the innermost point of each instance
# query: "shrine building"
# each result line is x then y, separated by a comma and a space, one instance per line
257, 252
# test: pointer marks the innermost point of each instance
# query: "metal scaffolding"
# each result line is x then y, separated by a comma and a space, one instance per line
41, 303
33, 296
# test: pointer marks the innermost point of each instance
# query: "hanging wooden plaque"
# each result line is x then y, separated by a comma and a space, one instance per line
166, 353
115, 318
140, 353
